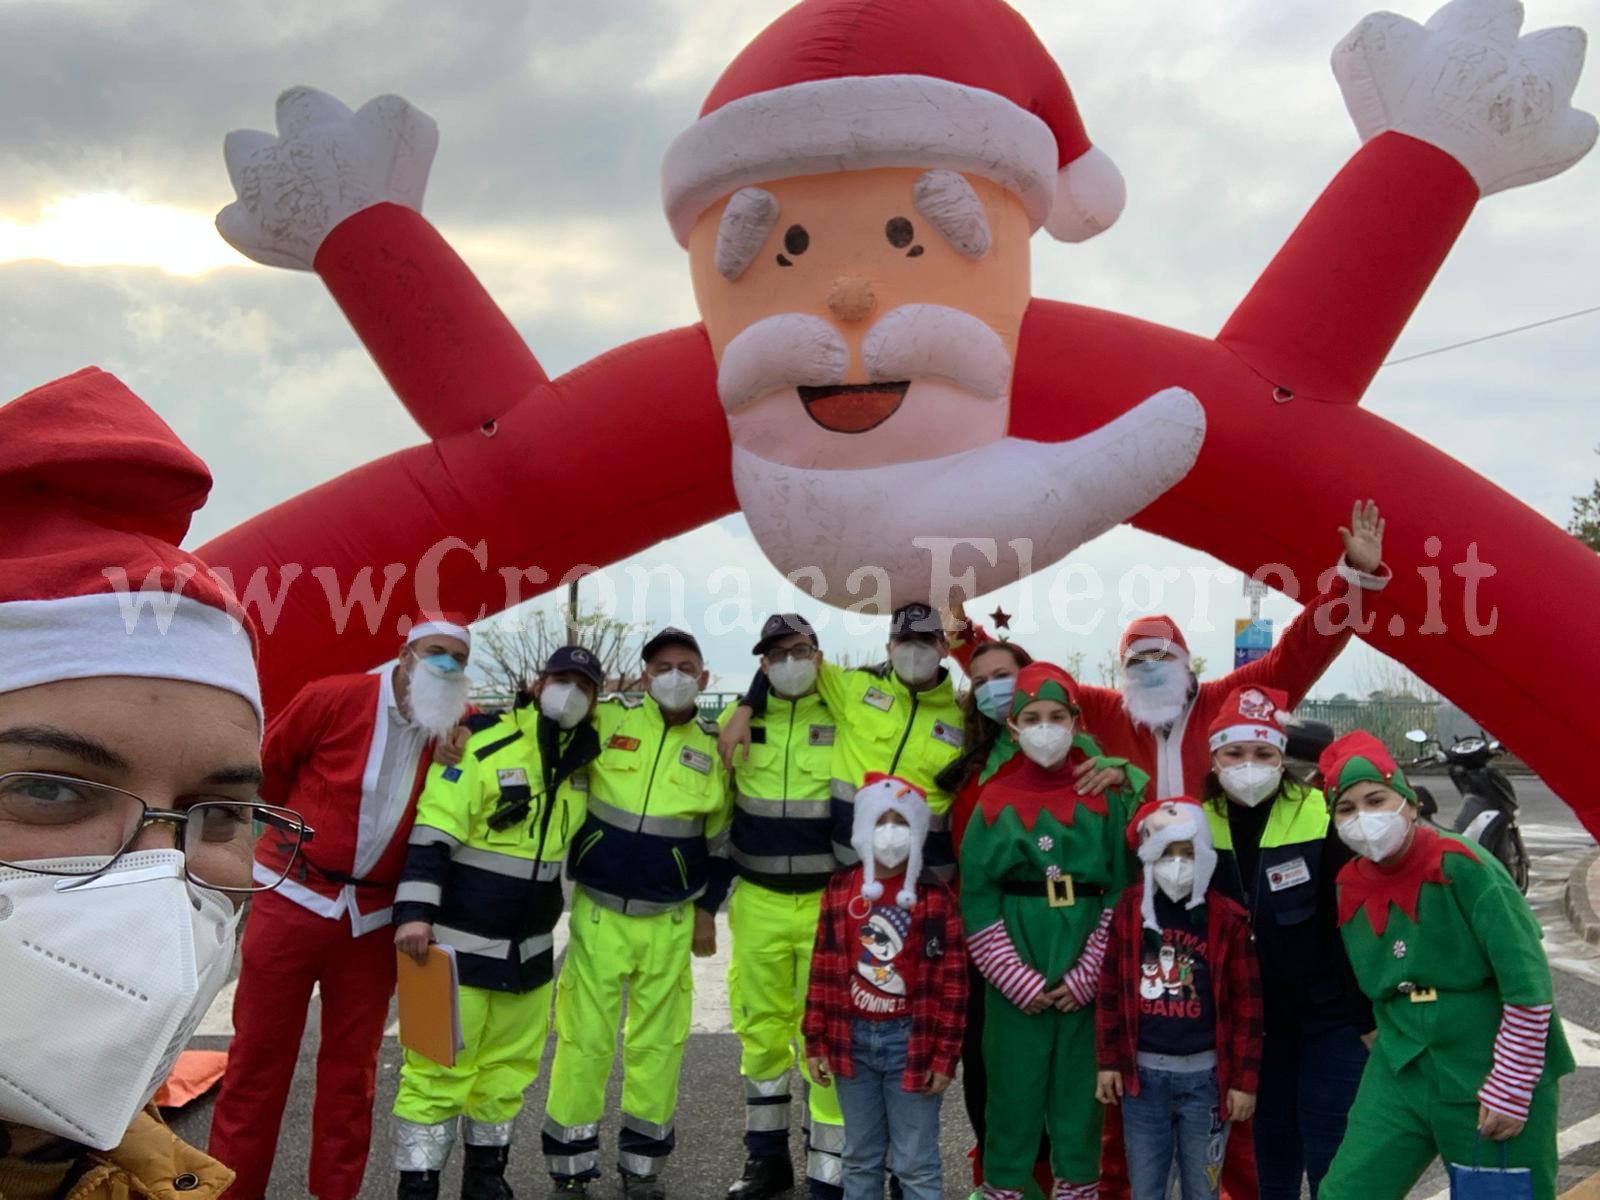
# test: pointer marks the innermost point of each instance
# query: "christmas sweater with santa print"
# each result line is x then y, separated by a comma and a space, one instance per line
1450, 954
885, 975
1030, 826
1177, 1014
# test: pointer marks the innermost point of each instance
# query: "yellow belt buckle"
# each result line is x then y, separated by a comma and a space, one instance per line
1424, 995
1058, 891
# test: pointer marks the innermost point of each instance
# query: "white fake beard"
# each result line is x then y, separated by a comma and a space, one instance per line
436, 704
1156, 708
1000, 511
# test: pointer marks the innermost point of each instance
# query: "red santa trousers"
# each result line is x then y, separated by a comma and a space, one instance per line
287, 949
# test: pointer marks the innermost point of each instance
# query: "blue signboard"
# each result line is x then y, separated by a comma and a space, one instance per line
1251, 640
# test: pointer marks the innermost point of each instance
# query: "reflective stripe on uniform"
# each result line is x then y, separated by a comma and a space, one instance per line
471, 943
486, 1133
637, 1164
783, 864
829, 1139
567, 1134
669, 827
538, 944
414, 891
563, 1166
505, 864
422, 1147
649, 1129
824, 1167
804, 809
842, 789
637, 908
766, 1114
427, 835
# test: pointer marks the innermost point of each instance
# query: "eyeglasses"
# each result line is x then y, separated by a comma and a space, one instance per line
793, 654
46, 816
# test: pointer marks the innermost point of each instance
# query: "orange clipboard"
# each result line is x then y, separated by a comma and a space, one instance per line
430, 1005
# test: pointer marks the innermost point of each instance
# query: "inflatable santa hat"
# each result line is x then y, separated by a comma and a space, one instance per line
879, 794
1252, 714
97, 494
849, 85
1155, 826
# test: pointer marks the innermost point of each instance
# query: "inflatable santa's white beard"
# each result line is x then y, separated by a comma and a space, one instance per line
1001, 510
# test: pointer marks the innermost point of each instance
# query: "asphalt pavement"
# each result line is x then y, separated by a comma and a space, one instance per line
711, 1107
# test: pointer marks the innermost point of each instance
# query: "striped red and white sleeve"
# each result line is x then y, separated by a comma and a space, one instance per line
1518, 1060
1083, 981
995, 955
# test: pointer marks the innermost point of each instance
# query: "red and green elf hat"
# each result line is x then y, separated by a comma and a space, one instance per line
1359, 756
1044, 681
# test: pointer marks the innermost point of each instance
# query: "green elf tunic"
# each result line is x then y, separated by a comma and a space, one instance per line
1041, 870
1449, 953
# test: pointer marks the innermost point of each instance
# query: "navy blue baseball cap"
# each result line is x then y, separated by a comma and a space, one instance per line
671, 636
915, 619
781, 625
578, 659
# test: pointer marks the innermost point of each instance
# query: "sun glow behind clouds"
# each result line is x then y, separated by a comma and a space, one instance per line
107, 229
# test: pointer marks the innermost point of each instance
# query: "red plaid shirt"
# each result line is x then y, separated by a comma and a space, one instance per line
1235, 987
938, 1002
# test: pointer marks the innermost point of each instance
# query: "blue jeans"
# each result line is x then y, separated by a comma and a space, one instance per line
1307, 1087
1175, 1112
881, 1118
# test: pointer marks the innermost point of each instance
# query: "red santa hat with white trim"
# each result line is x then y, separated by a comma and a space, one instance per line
1158, 633
97, 494
1155, 826
1252, 714
432, 623
843, 85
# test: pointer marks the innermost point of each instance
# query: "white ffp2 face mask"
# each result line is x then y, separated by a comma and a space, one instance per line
1250, 783
891, 845
792, 678
1174, 876
674, 691
1046, 745
564, 703
1375, 834
106, 980
915, 662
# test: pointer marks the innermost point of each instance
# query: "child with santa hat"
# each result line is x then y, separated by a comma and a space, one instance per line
1179, 1046
887, 997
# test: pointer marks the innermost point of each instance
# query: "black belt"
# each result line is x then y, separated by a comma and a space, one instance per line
1061, 891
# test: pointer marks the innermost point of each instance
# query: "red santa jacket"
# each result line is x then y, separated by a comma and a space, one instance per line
321, 756
1180, 759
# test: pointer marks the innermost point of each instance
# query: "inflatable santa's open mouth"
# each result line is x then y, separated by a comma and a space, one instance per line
853, 407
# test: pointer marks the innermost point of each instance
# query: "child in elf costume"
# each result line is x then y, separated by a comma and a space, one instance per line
1041, 867
1180, 1015
1448, 951
887, 996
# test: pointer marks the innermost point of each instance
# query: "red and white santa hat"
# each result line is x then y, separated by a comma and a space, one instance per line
1252, 714
97, 493
879, 793
1155, 826
1154, 633
842, 85
433, 623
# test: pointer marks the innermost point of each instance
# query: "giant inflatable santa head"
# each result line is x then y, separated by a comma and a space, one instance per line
857, 199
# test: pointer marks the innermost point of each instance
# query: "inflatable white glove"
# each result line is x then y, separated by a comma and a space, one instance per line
326, 164
1499, 104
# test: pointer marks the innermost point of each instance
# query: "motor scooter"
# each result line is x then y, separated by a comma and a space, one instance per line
1488, 813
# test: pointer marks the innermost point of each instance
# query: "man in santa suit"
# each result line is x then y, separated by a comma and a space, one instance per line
351, 753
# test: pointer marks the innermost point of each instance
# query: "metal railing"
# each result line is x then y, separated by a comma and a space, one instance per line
1386, 720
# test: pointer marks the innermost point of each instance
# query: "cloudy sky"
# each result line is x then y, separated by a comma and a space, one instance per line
1223, 116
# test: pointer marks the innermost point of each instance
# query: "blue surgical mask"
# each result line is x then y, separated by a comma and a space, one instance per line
993, 697
442, 665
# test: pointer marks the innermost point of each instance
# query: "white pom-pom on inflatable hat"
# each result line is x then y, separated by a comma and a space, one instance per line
842, 85
877, 795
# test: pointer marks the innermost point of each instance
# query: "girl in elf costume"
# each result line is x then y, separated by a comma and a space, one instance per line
1042, 866
1449, 952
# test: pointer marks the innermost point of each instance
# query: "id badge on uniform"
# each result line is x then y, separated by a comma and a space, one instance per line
696, 760
950, 735
878, 699
512, 777
1288, 875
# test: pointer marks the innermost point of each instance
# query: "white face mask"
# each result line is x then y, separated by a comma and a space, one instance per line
915, 662
791, 678
1155, 693
105, 979
1174, 876
1250, 783
1046, 745
891, 845
1375, 834
565, 703
674, 691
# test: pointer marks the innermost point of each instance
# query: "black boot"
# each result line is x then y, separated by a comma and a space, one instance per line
418, 1185
895, 1190
483, 1174
642, 1187
567, 1185
764, 1177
